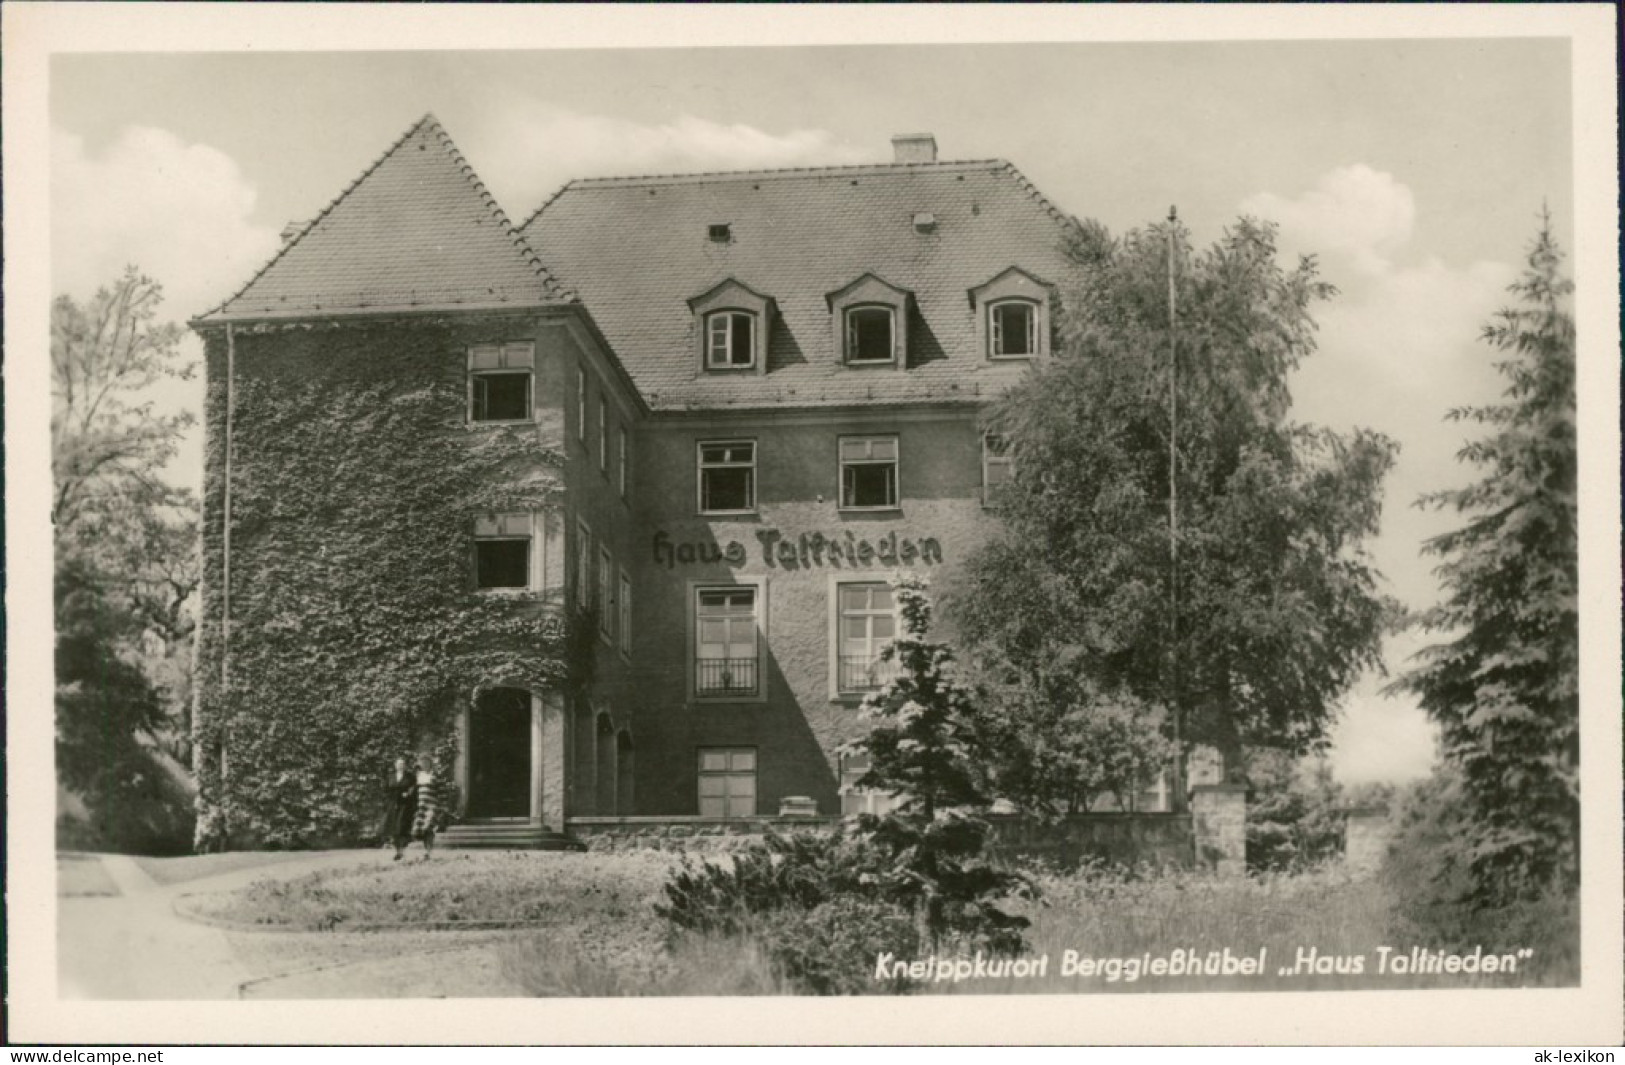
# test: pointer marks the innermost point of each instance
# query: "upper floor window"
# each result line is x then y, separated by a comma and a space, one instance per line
584, 596
500, 382
725, 644
1013, 329
502, 548
581, 404
730, 342
603, 435
1012, 315
870, 319
727, 476
868, 472
998, 469
869, 334
621, 469
624, 606
606, 593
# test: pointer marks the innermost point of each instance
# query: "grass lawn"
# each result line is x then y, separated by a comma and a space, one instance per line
546, 887
79, 875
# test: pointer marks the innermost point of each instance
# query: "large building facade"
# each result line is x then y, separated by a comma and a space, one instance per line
765, 391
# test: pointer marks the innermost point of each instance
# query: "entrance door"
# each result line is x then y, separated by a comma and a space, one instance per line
499, 754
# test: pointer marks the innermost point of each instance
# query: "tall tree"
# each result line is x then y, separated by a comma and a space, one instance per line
1504, 685
125, 545
1251, 619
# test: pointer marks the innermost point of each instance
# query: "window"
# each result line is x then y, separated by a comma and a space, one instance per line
499, 382
606, 593
581, 404
866, 622
720, 232
730, 340
603, 436
621, 469
727, 782
583, 566
727, 476
625, 607
502, 551
868, 472
997, 468
725, 641
869, 335
1013, 329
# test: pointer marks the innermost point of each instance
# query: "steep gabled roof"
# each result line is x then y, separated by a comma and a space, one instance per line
637, 250
416, 231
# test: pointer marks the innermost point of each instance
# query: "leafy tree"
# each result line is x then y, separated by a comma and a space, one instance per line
1277, 604
125, 558
1059, 754
923, 748
1504, 686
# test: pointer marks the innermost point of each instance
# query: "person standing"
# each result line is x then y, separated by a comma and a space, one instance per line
403, 804
427, 812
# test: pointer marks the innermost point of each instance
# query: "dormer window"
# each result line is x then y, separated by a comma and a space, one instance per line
1013, 329
870, 321
730, 340
870, 336
733, 322
1012, 315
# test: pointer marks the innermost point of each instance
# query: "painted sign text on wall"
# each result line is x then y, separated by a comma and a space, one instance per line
804, 550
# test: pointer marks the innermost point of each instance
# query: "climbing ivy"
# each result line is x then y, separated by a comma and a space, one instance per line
355, 632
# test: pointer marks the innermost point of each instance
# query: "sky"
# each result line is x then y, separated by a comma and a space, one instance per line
1414, 169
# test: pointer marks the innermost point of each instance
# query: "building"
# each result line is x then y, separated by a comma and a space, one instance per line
764, 390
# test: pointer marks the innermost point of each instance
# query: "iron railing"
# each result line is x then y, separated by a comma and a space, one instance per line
862, 673
725, 676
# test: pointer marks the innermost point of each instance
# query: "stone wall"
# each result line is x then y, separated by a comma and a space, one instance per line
683, 833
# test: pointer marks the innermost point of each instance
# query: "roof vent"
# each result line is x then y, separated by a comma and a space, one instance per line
914, 148
925, 222
722, 232
291, 230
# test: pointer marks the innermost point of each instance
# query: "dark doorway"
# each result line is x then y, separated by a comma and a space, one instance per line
499, 754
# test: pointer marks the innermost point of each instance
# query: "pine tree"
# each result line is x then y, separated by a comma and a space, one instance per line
1504, 687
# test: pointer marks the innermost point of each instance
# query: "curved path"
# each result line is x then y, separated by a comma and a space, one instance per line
134, 946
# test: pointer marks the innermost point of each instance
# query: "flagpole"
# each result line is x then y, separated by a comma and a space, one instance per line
1180, 791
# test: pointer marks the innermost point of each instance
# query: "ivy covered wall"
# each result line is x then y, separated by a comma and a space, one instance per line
355, 632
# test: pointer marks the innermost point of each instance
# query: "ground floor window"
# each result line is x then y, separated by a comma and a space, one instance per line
725, 652
727, 781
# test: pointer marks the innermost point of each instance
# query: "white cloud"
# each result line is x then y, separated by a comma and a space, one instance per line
530, 148
1398, 347
181, 212
1355, 212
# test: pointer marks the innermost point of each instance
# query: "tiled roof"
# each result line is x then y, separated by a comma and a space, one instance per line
416, 231
635, 250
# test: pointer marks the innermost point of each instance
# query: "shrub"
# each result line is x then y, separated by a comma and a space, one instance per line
831, 948
798, 871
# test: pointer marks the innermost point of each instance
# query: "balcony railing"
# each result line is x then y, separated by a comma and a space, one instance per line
863, 673
725, 676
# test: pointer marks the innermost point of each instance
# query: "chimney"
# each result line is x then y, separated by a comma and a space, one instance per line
291, 230
914, 148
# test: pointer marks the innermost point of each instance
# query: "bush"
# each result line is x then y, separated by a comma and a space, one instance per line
831, 948
1428, 873
799, 871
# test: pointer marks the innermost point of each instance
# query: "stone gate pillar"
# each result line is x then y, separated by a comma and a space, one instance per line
1365, 837
1219, 825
